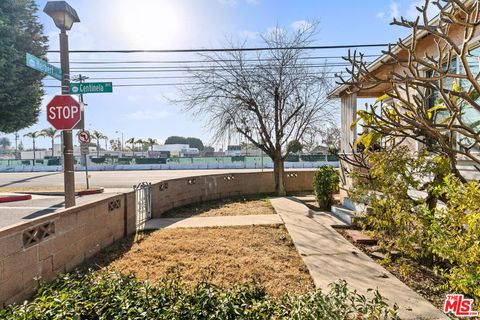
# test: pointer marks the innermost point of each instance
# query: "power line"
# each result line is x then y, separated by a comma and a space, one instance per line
228, 49
196, 61
153, 84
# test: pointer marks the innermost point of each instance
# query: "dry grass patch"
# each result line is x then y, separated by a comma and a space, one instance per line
224, 207
234, 254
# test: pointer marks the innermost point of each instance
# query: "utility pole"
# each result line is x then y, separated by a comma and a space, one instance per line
81, 79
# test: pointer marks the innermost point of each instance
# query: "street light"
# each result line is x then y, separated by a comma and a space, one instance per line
64, 16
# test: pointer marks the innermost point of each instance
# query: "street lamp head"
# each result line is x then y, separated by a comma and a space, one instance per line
62, 14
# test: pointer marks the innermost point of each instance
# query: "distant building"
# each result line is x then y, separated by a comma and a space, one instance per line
233, 150
177, 150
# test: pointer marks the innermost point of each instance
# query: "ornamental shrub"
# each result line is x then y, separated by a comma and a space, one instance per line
455, 235
110, 295
325, 184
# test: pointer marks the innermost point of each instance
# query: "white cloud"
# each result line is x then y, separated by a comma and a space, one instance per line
301, 25
247, 34
253, 2
147, 114
412, 12
380, 15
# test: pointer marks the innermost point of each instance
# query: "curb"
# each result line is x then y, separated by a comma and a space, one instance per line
61, 193
88, 192
15, 198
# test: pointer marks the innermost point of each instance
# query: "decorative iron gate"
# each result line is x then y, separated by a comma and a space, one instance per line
143, 204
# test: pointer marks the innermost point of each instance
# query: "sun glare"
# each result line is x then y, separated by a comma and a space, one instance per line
150, 23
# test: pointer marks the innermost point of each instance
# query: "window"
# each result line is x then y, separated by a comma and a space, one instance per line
470, 116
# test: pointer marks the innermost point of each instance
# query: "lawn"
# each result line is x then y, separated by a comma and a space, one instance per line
253, 205
233, 255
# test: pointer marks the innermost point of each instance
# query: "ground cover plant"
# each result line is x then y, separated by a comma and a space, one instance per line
111, 295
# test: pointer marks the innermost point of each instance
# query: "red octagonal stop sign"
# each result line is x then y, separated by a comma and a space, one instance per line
63, 112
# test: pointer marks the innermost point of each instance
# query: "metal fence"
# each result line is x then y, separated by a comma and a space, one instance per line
143, 204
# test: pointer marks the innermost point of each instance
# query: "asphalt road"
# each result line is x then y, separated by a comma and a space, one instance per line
106, 179
112, 181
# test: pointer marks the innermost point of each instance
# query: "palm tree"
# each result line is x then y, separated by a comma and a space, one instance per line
4, 142
151, 142
33, 135
51, 133
140, 142
132, 142
97, 136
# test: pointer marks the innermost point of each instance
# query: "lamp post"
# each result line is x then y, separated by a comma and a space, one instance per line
121, 147
64, 16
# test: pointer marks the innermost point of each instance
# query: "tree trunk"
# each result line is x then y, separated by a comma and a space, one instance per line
53, 143
278, 171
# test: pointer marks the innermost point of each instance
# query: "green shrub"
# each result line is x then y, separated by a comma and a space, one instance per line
455, 235
107, 295
325, 184
443, 235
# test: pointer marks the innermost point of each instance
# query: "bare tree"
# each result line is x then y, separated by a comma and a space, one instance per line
435, 94
270, 98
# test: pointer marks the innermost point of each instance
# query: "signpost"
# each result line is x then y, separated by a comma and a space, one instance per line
63, 112
84, 139
91, 87
42, 66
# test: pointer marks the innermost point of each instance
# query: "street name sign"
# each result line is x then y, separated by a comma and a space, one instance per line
91, 87
42, 66
63, 112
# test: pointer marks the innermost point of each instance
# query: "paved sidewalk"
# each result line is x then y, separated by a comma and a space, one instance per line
221, 221
330, 257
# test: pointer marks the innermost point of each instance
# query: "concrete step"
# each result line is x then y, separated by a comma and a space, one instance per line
343, 214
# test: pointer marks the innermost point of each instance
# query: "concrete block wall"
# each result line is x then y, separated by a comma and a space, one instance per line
58, 242
175, 193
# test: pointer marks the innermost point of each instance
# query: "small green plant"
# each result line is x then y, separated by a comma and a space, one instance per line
111, 295
325, 184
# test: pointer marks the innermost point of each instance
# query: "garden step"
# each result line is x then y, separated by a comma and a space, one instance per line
359, 237
344, 214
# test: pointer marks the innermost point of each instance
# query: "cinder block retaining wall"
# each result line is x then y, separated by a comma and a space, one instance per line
58, 242
179, 192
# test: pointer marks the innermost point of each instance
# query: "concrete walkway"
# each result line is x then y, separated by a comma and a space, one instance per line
330, 257
221, 221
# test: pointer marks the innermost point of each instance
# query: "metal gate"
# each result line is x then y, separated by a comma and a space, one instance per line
143, 204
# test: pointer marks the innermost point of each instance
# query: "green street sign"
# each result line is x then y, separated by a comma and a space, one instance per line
42, 66
91, 87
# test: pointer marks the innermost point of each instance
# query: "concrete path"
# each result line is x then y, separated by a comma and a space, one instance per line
330, 257
222, 221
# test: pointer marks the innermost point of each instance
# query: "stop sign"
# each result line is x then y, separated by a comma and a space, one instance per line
63, 112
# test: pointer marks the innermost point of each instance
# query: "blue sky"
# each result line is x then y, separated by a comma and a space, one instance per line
178, 24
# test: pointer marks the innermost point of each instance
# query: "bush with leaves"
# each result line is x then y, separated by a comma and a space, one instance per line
439, 227
325, 184
110, 295
455, 235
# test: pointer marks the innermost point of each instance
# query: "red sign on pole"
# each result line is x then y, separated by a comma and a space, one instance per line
63, 112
